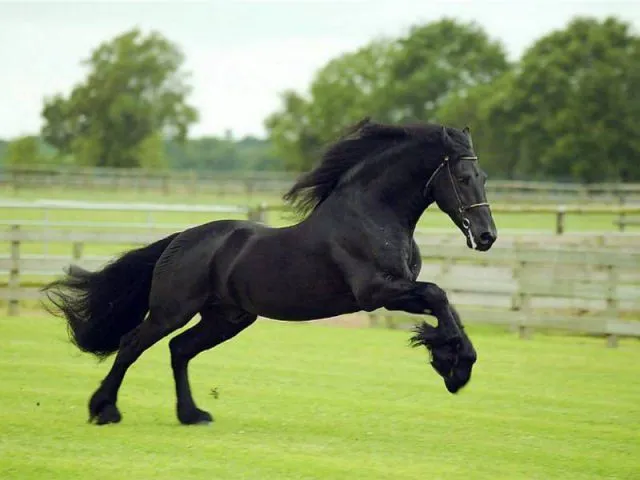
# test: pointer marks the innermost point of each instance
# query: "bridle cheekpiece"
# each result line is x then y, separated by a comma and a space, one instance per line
466, 224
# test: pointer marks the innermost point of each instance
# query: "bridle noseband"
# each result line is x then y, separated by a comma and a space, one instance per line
466, 224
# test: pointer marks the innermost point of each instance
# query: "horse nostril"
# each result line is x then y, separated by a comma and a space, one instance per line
487, 238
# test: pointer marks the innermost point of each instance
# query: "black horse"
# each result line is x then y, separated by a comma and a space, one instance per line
352, 251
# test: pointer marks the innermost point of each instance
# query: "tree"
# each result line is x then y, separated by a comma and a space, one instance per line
290, 132
223, 154
3, 150
403, 79
438, 60
487, 109
575, 104
24, 151
350, 87
135, 95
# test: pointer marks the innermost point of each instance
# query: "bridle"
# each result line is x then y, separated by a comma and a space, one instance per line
466, 224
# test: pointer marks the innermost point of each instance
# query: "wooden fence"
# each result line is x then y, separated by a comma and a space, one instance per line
528, 283
260, 212
45, 207
277, 182
574, 282
116, 179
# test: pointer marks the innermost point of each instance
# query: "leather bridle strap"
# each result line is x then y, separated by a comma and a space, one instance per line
461, 206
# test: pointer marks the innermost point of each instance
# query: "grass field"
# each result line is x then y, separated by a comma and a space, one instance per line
310, 401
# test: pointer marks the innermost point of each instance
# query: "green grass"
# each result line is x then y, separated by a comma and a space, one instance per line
310, 401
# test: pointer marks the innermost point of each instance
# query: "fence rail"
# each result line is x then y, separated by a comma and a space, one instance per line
277, 182
260, 212
526, 286
526, 281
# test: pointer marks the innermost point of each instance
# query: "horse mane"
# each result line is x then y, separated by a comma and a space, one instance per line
357, 144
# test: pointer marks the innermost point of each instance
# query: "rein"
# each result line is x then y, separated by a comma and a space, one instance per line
466, 224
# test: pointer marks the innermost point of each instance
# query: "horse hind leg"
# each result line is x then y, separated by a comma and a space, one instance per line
215, 327
102, 405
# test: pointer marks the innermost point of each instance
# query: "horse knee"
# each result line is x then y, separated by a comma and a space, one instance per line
435, 295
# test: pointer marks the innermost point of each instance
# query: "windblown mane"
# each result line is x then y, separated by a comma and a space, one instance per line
358, 144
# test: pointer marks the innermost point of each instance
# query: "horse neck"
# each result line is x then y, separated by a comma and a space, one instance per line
398, 191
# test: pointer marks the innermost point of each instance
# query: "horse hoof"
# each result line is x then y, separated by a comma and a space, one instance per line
108, 414
195, 417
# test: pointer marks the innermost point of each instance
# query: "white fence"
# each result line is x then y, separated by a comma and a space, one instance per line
583, 282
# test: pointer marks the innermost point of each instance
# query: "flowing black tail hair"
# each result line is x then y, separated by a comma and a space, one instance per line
100, 307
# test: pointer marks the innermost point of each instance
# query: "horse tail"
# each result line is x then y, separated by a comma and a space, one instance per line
101, 307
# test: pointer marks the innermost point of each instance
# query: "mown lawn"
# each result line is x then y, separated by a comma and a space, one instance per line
309, 401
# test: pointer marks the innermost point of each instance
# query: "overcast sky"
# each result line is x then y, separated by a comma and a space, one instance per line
241, 53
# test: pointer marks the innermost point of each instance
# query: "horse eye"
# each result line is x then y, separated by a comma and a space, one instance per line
464, 180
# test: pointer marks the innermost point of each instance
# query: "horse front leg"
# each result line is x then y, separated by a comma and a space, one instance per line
452, 353
412, 297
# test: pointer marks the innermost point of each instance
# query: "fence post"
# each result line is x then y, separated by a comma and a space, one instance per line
78, 247
258, 214
520, 301
248, 185
45, 217
517, 297
560, 219
193, 182
165, 184
621, 216
612, 301
14, 273
524, 330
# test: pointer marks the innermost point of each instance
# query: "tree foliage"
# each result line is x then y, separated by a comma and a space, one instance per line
134, 96
565, 110
348, 88
439, 60
403, 79
223, 154
575, 101
24, 151
3, 150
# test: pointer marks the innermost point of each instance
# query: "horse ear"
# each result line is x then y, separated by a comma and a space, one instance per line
467, 132
357, 128
446, 139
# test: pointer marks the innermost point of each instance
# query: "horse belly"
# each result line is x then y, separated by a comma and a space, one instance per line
298, 287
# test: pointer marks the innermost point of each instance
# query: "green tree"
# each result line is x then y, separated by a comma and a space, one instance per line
438, 60
257, 154
487, 109
291, 132
24, 151
575, 104
3, 150
134, 96
350, 87
401, 79
223, 153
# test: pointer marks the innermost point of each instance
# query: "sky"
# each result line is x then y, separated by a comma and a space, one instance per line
242, 54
